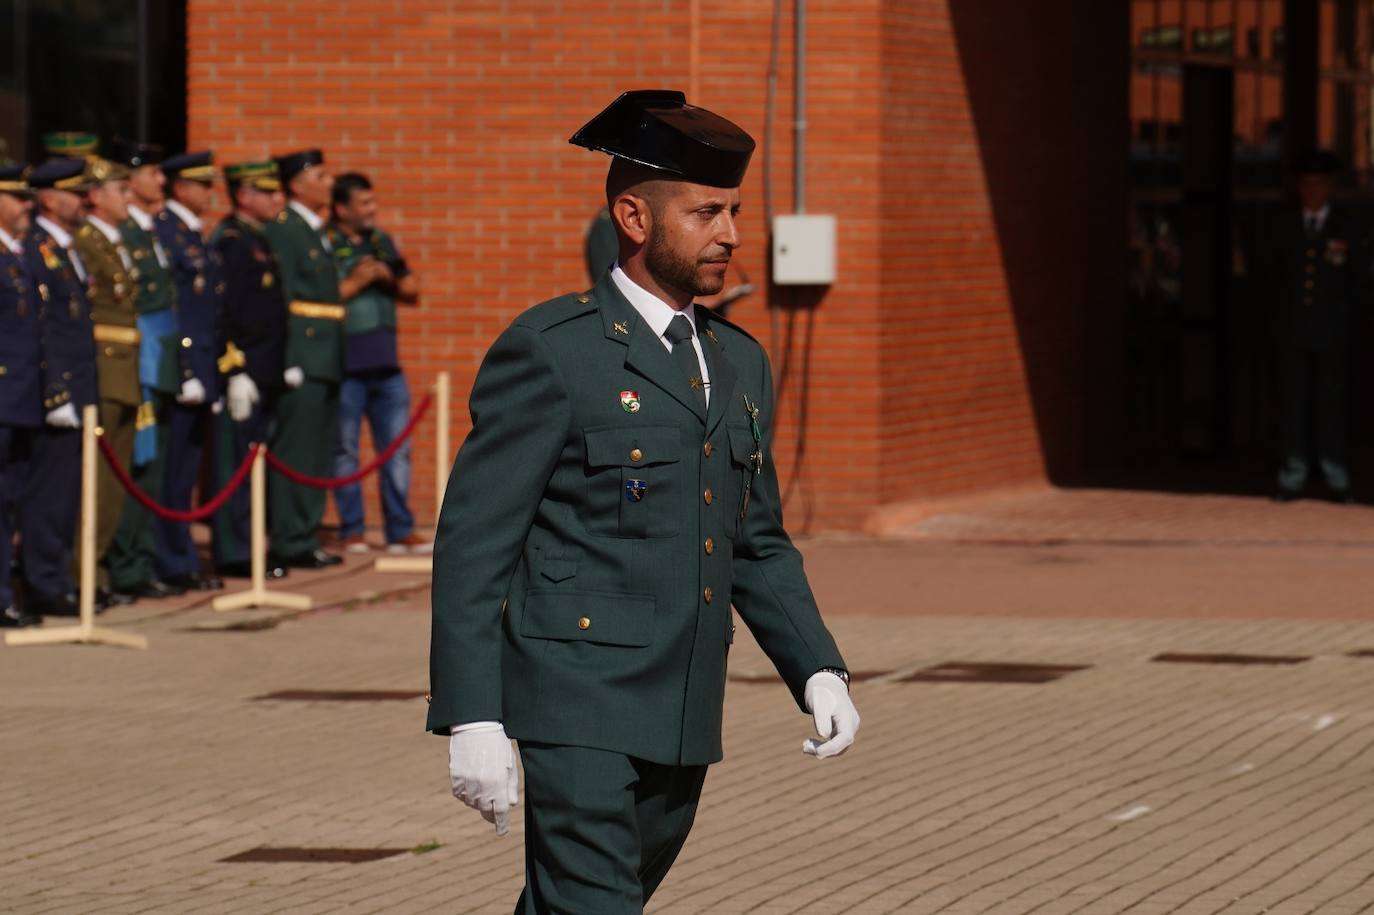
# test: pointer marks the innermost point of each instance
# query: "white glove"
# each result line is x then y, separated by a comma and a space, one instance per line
64, 417
827, 699
243, 393
192, 392
294, 376
481, 769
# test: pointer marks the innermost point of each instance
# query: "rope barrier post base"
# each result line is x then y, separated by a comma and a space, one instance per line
442, 461
85, 632
257, 596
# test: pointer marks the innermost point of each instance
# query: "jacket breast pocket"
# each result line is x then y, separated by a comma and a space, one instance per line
634, 484
589, 616
741, 482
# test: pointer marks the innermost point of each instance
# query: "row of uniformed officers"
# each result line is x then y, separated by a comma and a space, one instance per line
116, 292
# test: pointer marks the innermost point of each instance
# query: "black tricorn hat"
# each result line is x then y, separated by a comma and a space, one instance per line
133, 153
1317, 162
293, 163
657, 128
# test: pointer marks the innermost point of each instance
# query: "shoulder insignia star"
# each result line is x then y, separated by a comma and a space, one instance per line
696, 383
712, 334
621, 328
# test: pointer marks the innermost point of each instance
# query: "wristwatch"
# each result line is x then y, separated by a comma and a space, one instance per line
837, 671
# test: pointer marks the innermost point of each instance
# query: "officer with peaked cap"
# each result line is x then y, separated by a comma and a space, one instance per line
615, 496
78, 144
252, 333
198, 278
132, 558
307, 412
51, 500
21, 378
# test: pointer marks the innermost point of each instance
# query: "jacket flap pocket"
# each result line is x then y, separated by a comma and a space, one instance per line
589, 616
558, 569
632, 446
742, 443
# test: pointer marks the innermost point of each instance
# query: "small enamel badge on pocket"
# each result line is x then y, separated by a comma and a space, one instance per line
629, 400
635, 490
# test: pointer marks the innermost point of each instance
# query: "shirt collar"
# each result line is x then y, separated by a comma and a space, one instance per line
655, 312
191, 219
106, 229
312, 220
10, 242
145, 221
59, 234
1318, 215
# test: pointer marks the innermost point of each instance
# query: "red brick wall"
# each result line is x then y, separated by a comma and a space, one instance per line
911, 384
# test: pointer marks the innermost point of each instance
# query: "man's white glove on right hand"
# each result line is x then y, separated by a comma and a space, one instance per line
481, 768
243, 393
192, 392
64, 417
294, 376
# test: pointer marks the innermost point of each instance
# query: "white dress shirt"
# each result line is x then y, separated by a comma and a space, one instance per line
115, 238
1316, 219
145, 222
657, 314
312, 220
11, 243
64, 239
191, 219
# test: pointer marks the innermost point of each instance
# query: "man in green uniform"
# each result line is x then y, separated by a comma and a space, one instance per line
112, 286
307, 413
132, 557
615, 496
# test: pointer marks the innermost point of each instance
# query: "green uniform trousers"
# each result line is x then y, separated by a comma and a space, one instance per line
132, 556
117, 421
305, 436
601, 828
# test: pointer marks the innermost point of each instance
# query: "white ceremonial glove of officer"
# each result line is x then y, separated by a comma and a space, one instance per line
64, 417
481, 769
294, 376
192, 392
243, 393
837, 720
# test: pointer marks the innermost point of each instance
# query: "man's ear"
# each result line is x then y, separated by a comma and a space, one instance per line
632, 217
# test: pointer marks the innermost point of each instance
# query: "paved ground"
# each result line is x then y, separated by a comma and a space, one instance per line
1130, 785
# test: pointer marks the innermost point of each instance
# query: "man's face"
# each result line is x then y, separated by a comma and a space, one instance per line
147, 183
1314, 191
14, 214
65, 208
259, 204
360, 213
312, 187
110, 201
692, 236
196, 196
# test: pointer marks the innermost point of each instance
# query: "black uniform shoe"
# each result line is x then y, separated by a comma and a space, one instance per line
151, 588
194, 581
13, 618
52, 604
315, 559
245, 569
105, 599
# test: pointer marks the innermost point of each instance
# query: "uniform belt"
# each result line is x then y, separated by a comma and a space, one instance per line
114, 333
318, 310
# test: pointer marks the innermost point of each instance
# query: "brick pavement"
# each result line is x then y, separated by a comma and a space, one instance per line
1130, 786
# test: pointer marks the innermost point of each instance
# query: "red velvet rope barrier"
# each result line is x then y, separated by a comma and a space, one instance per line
295, 476
172, 514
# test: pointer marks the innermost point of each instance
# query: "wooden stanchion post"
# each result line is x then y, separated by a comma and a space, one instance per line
257, 596
443, 458
86, 632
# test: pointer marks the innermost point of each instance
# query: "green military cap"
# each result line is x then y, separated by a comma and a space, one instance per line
70, 143
99, 170
261, 175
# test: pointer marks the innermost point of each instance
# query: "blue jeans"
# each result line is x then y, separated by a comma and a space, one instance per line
384, 398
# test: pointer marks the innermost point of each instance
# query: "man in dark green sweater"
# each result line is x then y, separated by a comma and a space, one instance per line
616, 495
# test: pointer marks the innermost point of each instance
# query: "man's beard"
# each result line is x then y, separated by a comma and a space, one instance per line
672, 269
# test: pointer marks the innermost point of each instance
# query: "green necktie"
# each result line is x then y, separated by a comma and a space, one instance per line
679, 333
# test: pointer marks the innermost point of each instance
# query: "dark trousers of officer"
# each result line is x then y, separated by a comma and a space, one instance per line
48, 511
601, 828
182, 438
304, 436
232, 524
1314, 391
15, 445
117, 420
132, 556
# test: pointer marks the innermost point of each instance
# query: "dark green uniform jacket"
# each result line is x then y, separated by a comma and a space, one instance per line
314, 338
596, 529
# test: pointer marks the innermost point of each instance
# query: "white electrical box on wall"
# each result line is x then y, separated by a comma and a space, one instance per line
803, 250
